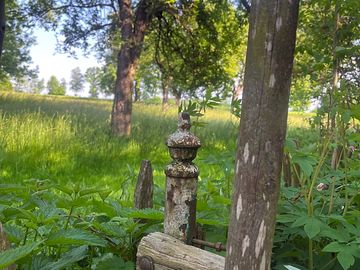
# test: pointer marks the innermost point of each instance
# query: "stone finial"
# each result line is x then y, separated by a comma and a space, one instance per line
183, 138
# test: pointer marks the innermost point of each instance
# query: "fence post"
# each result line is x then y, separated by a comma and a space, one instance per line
181, 182
5, 245
172, 250
143, 197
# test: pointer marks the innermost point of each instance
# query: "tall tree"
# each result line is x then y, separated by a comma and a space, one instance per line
15, 57
269, 61
125, 20
77, 80
54, 87
93, 77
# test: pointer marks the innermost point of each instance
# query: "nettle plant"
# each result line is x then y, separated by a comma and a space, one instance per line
56, 227
318, 225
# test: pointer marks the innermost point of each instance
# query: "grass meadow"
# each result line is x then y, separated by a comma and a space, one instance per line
67, 182
67, 141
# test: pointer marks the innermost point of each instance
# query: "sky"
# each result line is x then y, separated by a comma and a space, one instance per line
50, 62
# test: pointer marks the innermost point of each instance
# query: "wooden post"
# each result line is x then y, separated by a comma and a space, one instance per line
143, 197
181, 182
5, 245
159, 251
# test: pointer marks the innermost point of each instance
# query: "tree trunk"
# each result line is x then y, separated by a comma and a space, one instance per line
137, 90
2, 25
133, 30
177, 95
268, 70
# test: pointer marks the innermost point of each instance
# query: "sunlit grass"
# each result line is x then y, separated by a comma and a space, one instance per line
67, 140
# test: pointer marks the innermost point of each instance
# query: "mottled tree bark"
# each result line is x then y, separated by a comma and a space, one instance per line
2, 25
133, 28
268, 70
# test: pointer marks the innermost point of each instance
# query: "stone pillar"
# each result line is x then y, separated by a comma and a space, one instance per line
181, 182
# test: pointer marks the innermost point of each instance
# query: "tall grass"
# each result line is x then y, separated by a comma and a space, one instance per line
67, 140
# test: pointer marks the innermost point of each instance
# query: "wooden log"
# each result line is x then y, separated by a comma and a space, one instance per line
143, 197
169, 253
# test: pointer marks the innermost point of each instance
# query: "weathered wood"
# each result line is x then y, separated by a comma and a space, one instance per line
5, 245
143, 197
269, 61
169, 253
181, 182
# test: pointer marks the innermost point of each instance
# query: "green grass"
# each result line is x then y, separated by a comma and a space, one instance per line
67, 140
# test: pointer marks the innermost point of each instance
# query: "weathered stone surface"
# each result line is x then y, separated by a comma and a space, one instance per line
181, 182
183, 153
183, 138
180, 205
182, 170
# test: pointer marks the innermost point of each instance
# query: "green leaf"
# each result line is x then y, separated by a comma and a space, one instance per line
312, 227
105, 193
89, 191
338, 235
39, 261
285, 218
333, 247
19, 213
10, 256
67, 259
300, 221
345, 259
113, 229
13, 233
115, 263
7, 188
222, 200
64, 189
147, 213
75, 237
305, 164
213, 222
355, 111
